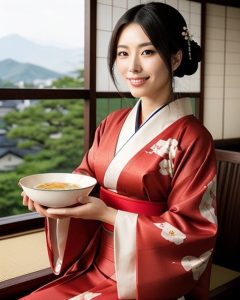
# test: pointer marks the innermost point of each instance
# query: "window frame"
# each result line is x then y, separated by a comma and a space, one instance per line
16, 224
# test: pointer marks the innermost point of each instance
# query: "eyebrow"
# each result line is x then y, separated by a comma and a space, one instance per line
139, 46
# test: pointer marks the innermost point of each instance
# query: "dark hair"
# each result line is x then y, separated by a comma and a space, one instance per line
164, 25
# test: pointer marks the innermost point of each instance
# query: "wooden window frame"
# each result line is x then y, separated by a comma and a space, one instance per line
20, 223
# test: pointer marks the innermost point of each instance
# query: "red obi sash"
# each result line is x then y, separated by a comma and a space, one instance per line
132, 205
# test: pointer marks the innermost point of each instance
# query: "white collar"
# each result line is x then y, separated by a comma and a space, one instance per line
131, 142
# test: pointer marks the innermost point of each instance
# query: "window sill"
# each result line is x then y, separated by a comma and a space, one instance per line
23, 285
14, 225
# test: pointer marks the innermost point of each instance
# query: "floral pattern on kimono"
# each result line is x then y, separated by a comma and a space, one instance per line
165, 149
171, 233
208, 203
196, 264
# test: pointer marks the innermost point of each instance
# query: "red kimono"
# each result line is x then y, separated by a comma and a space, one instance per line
161, 178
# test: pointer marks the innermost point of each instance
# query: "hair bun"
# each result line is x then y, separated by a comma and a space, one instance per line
196, 51
189, 63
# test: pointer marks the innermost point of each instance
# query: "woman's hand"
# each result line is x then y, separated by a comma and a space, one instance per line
28, 202
90, 208
33, 206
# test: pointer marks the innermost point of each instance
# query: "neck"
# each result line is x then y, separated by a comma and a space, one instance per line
149, 106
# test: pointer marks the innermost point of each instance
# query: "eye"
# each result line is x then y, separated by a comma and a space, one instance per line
122, 53
148, 52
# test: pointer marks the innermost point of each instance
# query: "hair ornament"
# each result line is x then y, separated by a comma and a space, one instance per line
188, 38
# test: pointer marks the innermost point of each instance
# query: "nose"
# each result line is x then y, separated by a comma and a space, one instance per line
135, 66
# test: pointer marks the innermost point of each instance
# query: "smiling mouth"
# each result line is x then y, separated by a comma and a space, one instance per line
138, 81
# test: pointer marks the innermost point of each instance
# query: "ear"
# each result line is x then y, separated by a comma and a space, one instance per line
176, 60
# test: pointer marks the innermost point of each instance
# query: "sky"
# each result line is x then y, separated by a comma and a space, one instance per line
47, 22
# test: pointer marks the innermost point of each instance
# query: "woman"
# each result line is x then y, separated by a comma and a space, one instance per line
152, 234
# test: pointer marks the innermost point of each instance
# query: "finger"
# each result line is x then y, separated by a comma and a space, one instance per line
83, 199
25, 199
77, 211
39, 209
58, 211
43, 211
30, 205
40, 213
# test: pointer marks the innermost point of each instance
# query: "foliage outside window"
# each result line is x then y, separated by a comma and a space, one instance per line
42, 49
105, 106
52, 132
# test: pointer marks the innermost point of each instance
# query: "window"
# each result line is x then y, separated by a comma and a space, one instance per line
107, 105
41, 67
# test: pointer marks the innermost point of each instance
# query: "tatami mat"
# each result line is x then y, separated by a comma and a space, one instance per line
23, 254
221, 275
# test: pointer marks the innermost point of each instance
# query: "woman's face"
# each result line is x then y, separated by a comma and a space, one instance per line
141, 66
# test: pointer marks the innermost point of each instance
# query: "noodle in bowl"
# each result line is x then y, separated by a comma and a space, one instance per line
57, 189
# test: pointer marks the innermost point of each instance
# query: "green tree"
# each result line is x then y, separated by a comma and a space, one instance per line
69, 82
10, 195
53, 129
7, 84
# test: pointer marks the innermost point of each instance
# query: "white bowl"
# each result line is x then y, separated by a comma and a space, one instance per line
57, 198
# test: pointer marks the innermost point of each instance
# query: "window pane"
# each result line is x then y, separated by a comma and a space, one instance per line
195, 106
105, 106
41, 41
37, 136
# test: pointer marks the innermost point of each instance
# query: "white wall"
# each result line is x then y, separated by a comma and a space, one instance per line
222, 72
108, 13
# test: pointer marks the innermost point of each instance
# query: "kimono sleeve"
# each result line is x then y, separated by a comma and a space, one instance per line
172, 252
87, 164
68, 242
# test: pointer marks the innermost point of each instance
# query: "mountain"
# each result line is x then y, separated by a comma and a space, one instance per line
13, 71
23, 50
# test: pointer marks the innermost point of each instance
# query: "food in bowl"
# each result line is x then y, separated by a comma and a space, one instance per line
57, 186
57, 197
